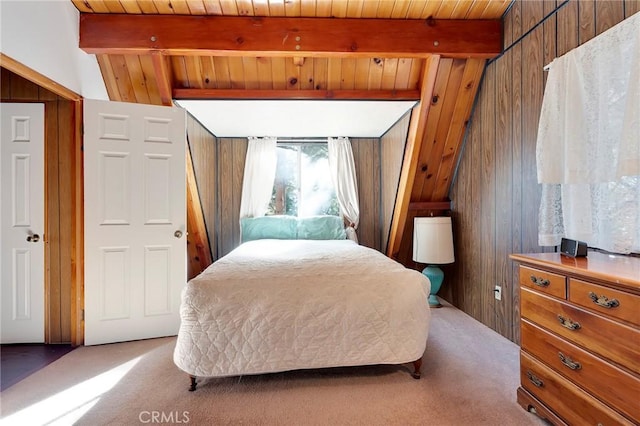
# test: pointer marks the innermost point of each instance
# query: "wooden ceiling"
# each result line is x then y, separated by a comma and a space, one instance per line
429, 50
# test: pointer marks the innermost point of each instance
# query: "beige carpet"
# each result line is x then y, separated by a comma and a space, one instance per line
469, 377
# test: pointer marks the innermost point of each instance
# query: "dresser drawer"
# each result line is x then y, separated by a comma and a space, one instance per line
610, 302
605, 381
570, 402
615, 341
546, 282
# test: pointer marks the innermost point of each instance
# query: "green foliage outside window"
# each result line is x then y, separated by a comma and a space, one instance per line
303, 184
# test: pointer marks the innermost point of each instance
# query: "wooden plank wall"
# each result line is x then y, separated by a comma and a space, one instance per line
231, 155
366, 156
496, 196
392, 145
60, 181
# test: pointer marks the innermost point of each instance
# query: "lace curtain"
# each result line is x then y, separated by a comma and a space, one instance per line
588, 146
343, 175
259, 175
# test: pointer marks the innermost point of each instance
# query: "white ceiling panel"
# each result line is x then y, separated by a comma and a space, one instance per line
297, 118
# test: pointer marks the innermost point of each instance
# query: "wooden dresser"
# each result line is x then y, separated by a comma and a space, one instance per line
580, 338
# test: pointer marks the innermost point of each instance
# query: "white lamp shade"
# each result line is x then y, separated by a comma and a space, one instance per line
432, 240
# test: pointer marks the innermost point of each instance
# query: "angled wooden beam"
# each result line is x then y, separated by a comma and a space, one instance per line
162, 73
289, 37
417, 128
397, 95
198, 245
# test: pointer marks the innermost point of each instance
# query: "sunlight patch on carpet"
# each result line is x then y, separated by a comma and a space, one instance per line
69, 405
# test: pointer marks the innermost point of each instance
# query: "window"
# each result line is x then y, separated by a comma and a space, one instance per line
587, 151
303, 184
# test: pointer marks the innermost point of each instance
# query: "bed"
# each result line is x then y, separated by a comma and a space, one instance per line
274, 305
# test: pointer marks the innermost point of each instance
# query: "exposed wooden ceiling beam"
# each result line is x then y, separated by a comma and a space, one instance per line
289, 37
417, 128
396, 95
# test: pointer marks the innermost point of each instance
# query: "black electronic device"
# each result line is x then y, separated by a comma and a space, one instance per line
573, 248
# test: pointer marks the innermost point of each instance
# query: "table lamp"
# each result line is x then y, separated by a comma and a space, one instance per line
433, 245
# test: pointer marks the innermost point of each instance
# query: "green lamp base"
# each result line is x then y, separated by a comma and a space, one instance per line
436, 276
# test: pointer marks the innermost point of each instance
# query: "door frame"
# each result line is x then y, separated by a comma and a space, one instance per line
77, 231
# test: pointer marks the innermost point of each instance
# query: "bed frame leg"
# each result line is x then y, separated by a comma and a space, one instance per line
417, 364
193, 383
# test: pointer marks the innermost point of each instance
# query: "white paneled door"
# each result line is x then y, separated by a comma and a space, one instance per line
135, 220
22, 222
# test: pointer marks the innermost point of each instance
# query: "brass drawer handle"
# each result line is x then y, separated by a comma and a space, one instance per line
569, 362
533, 379
603, 301
539, 281
567, 323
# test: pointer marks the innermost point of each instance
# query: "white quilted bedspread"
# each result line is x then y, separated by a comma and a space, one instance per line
279, 305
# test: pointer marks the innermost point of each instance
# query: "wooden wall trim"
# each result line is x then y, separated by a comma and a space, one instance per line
417, 128
37, 78
77, 242
548, 14
51, 229
274, 94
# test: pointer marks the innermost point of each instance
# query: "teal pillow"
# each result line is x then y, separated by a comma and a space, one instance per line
268, 227
321, 228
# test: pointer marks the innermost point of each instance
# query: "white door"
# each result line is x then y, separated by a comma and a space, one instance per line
135, 220
22, 222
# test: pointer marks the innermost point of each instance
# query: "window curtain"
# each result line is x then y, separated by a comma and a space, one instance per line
343, 175
259, 175
588, 145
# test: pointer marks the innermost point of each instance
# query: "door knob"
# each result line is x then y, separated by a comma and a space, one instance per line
177, 234
33, 238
